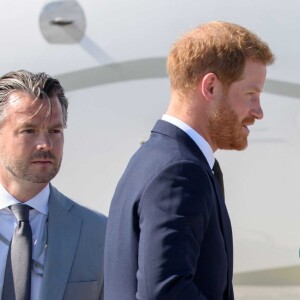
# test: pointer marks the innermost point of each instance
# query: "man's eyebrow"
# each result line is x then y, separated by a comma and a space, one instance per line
60, 124
29, 124
255, 89
35, 125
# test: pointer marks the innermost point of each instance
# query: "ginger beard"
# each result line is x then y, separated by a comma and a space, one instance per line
226, 130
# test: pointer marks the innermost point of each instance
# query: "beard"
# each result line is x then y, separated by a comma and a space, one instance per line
21, 168
226, 129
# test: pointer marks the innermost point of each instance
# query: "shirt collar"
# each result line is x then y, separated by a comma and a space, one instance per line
195, 136
38, 202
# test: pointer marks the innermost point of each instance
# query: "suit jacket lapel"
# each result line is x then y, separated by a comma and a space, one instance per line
63, 235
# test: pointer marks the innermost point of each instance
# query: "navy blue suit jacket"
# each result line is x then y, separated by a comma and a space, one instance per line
168, 234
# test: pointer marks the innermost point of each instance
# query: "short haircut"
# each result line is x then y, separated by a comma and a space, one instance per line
217, 47
37, 86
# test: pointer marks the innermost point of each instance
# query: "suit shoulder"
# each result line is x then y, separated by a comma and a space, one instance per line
84, 213
88, 214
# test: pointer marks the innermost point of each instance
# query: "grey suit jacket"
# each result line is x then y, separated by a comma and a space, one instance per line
74, 254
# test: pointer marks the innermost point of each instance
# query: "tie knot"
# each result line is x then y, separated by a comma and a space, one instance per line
21, 212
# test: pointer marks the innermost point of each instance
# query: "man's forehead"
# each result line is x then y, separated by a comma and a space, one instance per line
16, 98
33, 108
21, 102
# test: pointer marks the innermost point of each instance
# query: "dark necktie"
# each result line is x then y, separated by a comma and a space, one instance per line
219, 176
17, 280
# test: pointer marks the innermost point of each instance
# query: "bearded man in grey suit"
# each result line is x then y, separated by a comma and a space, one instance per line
67, 239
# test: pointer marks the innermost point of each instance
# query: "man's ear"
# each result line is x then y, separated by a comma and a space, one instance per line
208, 86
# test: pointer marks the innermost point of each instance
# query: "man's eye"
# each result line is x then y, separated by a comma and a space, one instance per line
55, 131
29, 130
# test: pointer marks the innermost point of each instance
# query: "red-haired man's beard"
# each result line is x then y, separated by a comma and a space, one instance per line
226, 130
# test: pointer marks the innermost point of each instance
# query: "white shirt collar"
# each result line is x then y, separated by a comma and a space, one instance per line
195, 136
38, 202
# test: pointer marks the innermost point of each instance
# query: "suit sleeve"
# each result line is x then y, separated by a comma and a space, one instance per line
174, 213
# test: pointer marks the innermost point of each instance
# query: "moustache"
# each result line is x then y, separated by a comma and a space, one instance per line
43, 155
248, 121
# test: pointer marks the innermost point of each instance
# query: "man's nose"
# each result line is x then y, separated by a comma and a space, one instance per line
44, 141
257, 111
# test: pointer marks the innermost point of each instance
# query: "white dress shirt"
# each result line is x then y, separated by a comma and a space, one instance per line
37, 217
195, 136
